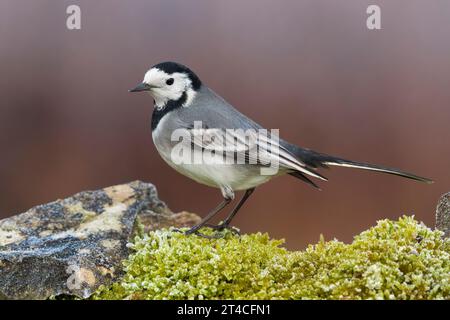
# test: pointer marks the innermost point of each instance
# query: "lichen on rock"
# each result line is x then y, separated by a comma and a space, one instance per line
401, 259
74, 245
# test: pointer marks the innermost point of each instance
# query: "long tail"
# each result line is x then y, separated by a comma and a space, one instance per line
366, 166
316, 160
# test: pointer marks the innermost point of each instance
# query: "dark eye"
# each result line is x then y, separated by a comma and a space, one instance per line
169, 81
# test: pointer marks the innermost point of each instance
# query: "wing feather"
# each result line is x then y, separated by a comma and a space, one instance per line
252, 146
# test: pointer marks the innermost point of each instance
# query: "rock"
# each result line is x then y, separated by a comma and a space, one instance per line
153, 221
443, 214
72, 246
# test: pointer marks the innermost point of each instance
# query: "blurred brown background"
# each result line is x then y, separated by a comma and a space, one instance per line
310, 68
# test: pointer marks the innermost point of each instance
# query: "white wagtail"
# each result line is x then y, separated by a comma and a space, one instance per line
182, 101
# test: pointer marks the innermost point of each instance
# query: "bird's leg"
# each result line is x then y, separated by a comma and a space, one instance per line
210, 215
244, 198
226, 223
228, 196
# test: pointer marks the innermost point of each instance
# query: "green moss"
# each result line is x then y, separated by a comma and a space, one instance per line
393, 260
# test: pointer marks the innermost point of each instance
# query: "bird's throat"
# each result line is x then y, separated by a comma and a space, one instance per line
160, 111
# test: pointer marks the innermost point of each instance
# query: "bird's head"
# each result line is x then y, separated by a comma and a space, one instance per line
170, 81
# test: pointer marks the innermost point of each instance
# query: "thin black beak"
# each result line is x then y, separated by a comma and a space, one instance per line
141, 87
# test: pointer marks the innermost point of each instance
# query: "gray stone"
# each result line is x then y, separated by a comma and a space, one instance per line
443, 214
72, 246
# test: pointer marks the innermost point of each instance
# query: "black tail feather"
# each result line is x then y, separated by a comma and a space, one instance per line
367, 166
302, 177
319, 160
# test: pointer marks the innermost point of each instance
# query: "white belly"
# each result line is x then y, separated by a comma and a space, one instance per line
238, 177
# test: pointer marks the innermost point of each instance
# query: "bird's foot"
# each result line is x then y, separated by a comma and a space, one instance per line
217, 235
224, 226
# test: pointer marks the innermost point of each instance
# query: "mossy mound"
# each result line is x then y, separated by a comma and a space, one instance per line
394, 260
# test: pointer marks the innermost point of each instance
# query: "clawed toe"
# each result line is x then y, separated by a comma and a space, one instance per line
218, 227
223, 226
216, 235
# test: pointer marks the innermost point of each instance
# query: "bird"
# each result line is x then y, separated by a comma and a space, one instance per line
184, 104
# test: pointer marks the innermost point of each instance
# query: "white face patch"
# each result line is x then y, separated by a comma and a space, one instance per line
163, 92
